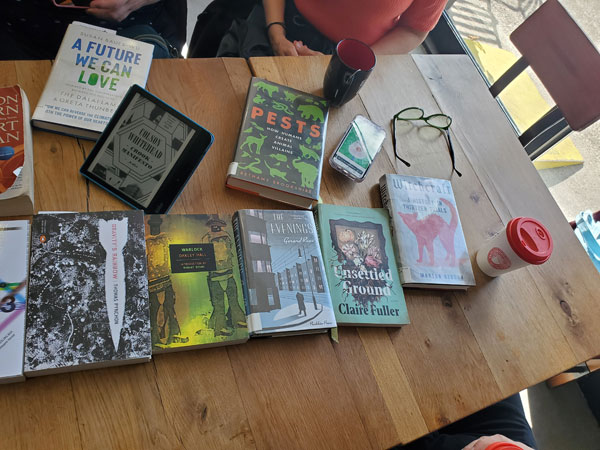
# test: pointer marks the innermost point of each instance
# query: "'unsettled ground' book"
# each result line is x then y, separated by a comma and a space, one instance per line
431, 247
279, 153
360, 265
88, 292
283, 277
14, 258
196, 297
93, 70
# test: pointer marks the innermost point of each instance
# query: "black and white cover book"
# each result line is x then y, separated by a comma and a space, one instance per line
88, 292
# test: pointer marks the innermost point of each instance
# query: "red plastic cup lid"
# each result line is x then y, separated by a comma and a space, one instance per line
503, 446
529, 239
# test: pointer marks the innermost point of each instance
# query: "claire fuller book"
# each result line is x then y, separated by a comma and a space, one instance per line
16, 153
14, 254
360, 265
92, 71
279, 154
283, 277
430, 244
88, 292
196, 297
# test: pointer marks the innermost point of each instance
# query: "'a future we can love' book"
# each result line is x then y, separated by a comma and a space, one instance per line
430, 244
92, 72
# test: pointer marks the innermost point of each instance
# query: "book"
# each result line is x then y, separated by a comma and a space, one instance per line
14, 266
93, 69
360, 266
16, 153
283, 277
428, 237
88, 292
196, 297
279, 153
147, 152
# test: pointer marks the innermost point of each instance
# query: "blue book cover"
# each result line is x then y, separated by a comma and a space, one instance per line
283, 275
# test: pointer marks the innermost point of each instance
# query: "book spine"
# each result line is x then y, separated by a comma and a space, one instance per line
237, 233
386, 202
243, 124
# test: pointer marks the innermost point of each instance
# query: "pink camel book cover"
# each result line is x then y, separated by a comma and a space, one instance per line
428, 235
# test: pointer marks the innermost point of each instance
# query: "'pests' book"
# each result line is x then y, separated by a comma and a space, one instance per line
360, 265
93, 69
430, 244
279, 153
88, 292
196, 297
16, 153
283, 277
14, 257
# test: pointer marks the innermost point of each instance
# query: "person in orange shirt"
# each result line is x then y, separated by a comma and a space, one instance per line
308, 27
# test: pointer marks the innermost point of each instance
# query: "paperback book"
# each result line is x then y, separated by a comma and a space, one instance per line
428, 236
360, 266
283, 277
93, 69
16, 153
279, 153
14, 258
88, 292
196, 297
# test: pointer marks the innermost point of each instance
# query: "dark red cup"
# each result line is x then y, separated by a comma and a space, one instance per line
349, 67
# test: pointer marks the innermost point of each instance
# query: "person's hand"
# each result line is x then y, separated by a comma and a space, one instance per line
116, 10
279, 43
483, 442
303, 50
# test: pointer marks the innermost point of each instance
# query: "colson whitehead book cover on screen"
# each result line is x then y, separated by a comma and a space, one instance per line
88, 292
361, 268
93, 70
284, 279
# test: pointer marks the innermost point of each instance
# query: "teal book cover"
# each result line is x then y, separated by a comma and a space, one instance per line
360, 266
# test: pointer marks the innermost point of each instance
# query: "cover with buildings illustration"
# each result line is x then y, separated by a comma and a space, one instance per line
14, 258
360, 265
282, 270
196, 297
428, 236
88, 292
93, 70
279, 154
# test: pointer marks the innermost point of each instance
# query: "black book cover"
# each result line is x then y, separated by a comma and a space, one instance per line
88, 292
281, 140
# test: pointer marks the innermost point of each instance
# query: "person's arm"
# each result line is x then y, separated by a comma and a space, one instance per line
116, 10
274, 12
399, 40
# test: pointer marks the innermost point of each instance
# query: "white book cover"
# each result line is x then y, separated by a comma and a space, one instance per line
14, 252
92, 72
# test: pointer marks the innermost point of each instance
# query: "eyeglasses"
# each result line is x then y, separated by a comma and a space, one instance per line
440, 121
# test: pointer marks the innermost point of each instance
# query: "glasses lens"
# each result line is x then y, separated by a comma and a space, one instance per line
439, 121
410, 114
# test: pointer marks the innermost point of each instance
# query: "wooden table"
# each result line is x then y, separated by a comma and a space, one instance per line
377, 387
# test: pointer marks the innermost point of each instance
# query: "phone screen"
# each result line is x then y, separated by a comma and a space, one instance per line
358, 148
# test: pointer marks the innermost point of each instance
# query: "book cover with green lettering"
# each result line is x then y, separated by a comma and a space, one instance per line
93, 70
360, 266
196, 297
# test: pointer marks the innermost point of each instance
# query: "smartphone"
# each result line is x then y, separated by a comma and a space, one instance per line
358, 148
72, 3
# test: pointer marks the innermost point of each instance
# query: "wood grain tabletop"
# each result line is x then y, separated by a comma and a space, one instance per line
376, 387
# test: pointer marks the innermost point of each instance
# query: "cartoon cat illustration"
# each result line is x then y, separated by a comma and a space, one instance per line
276, 172
289, 97
430, 227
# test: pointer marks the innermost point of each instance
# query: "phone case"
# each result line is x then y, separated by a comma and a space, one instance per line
358, 148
